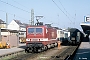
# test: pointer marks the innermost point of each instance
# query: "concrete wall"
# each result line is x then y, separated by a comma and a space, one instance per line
12, 39
0, 34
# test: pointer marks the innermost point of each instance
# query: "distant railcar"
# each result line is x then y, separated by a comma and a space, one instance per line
39, 38
75, 36
62, 36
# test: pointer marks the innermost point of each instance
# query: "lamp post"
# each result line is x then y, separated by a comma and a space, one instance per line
17, 38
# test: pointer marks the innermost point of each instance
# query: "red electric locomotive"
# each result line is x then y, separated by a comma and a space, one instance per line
40, 38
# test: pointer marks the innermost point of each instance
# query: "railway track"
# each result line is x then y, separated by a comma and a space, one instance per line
65, 55
24, 56
11, 55
21, 55
52, 54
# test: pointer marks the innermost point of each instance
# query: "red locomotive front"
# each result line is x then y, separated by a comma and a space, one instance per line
40, 38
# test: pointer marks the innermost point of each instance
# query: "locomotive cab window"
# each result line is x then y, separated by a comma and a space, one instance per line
30, 30
34, 30
38, 30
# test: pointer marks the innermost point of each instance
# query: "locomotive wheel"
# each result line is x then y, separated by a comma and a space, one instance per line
35, 50
28, 50
42, 49
45, 48
56, 44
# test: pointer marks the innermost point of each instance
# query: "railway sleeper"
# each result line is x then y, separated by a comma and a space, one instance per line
67, 54
65, 57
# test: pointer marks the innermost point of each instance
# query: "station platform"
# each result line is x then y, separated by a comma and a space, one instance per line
21, 47
83, 52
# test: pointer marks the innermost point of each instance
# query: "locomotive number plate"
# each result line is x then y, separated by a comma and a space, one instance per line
34, 39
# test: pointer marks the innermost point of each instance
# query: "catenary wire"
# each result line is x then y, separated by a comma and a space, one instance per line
61, 10
13, 14
65, 9
14, 6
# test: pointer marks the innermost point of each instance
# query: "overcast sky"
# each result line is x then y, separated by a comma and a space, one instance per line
61, 13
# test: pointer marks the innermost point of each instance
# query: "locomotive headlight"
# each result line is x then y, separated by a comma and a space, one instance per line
41, 39
27, 39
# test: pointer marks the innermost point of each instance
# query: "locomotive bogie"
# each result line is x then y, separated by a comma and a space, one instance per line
35, 47
49, 46
55, 44
52, 45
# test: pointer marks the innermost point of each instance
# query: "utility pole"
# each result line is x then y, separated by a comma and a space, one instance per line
14, 16
32, 17
6, 20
